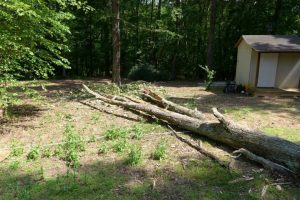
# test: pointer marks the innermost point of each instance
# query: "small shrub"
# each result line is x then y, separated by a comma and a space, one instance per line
14, 165
59, 151
46, 153
210, 75
146, 72
103, 149
7, 100
72, 144
134, 155
120, 146
16, 149
137, 132
34, 153
160, 150
115, 133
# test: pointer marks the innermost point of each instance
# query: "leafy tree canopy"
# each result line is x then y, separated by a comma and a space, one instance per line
33, 37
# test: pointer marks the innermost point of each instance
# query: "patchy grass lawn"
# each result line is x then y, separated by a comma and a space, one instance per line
109, 153
290, 134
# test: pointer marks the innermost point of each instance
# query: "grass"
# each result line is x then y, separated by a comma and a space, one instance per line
121, 146
103, 149
160, 151
106, 180
16, 149
33, 153
116, 133
290, 134
124, 168
241, 112
134, 155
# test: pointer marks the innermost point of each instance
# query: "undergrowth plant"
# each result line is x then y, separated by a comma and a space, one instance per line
115, 133
46, 153
14, 165
134, 156
95, 117
72, 145
16, 149
103, 149
210, 75
121, 145
33, 153
160, 151
137, 132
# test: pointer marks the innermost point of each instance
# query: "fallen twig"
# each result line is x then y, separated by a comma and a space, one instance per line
200, 149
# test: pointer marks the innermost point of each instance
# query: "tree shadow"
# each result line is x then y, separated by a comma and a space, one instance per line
114, 180
276, 105
19, 113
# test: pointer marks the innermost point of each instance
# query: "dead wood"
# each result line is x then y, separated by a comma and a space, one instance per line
169, 105
275, 149
271, 166
202, 150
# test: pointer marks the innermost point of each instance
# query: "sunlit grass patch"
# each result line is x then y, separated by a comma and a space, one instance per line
240, 112
290, 134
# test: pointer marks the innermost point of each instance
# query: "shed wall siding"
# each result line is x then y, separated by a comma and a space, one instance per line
243, 63
253, 68
288, 70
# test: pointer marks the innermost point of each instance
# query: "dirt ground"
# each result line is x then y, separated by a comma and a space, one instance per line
39, 123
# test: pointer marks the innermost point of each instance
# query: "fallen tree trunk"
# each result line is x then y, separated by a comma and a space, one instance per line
275, 149
164, 103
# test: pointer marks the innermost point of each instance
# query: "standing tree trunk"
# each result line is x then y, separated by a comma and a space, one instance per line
211, 33
116, 66
276, 16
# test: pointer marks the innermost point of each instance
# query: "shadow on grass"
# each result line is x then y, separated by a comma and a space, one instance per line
114, 180
19, 113
206, 102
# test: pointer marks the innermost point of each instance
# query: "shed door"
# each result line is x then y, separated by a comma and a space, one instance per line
267, 70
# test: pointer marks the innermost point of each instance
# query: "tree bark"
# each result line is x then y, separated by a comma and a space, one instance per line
116, 65
164, 103
277, 150
276, 17
211, 33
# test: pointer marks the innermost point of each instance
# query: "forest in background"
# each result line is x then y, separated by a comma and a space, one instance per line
167, 38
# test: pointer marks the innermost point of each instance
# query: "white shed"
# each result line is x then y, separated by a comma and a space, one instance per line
271, 61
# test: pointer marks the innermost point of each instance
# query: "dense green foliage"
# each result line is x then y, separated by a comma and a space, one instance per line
172, 35
168, 37
33, 37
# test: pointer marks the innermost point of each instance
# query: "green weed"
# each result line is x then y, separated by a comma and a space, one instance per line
137, 132
134, 155
72, 145
160, 151
115, 133
95, 117
16, 149
103, 149
120, 146
14, 165
46, 153
33, 153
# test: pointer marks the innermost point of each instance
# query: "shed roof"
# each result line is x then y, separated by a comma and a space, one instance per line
272, 43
